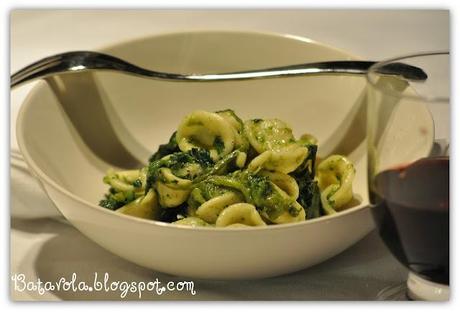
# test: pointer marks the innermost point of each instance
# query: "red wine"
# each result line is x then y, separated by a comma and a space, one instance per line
412, 214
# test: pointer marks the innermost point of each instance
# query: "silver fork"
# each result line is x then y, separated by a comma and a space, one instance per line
78, 61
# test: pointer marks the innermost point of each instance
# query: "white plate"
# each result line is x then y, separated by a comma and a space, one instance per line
63, 123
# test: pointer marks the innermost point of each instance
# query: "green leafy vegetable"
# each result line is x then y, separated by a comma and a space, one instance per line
309, 193
257, 190
218, 144
125, 186
187, 165
166, 149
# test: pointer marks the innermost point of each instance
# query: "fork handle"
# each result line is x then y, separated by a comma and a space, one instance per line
78, 61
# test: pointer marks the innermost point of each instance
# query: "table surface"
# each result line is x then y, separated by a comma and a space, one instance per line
40, 239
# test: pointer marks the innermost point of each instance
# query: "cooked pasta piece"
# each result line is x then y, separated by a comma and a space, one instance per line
241, 142
172, 190
284, 181
240, 160
335, 178
124, 181
206, 191
233, 120
308, 139
242, 213
257, 190
206, 130
287, 217
268, 134
284, 160
192, 221
167, 177
145, 207
210, 210
169, 196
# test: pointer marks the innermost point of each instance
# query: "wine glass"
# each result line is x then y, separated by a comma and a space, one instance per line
409, 172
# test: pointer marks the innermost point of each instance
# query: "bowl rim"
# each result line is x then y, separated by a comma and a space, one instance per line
43, 177
264, 33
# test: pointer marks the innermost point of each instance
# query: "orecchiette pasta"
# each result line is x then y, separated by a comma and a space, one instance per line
286, 217
283, 160
335, 178
284, 181
168, 178
123, 180
218, 171
237, 127
192, 221
268, 134
210, 210
242, 213
206, 130
143, 207
172, 190
169, 196
308, 139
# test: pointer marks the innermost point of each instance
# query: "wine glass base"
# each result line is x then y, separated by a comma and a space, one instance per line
421, 289
416, 288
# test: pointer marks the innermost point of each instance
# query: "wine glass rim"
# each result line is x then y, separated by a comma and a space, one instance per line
372, 70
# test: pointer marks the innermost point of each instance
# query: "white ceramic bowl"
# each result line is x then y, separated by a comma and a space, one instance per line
63, 122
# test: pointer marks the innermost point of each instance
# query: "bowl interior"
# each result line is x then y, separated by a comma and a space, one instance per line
71, 126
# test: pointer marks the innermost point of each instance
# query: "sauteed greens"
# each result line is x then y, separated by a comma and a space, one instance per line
217, 170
